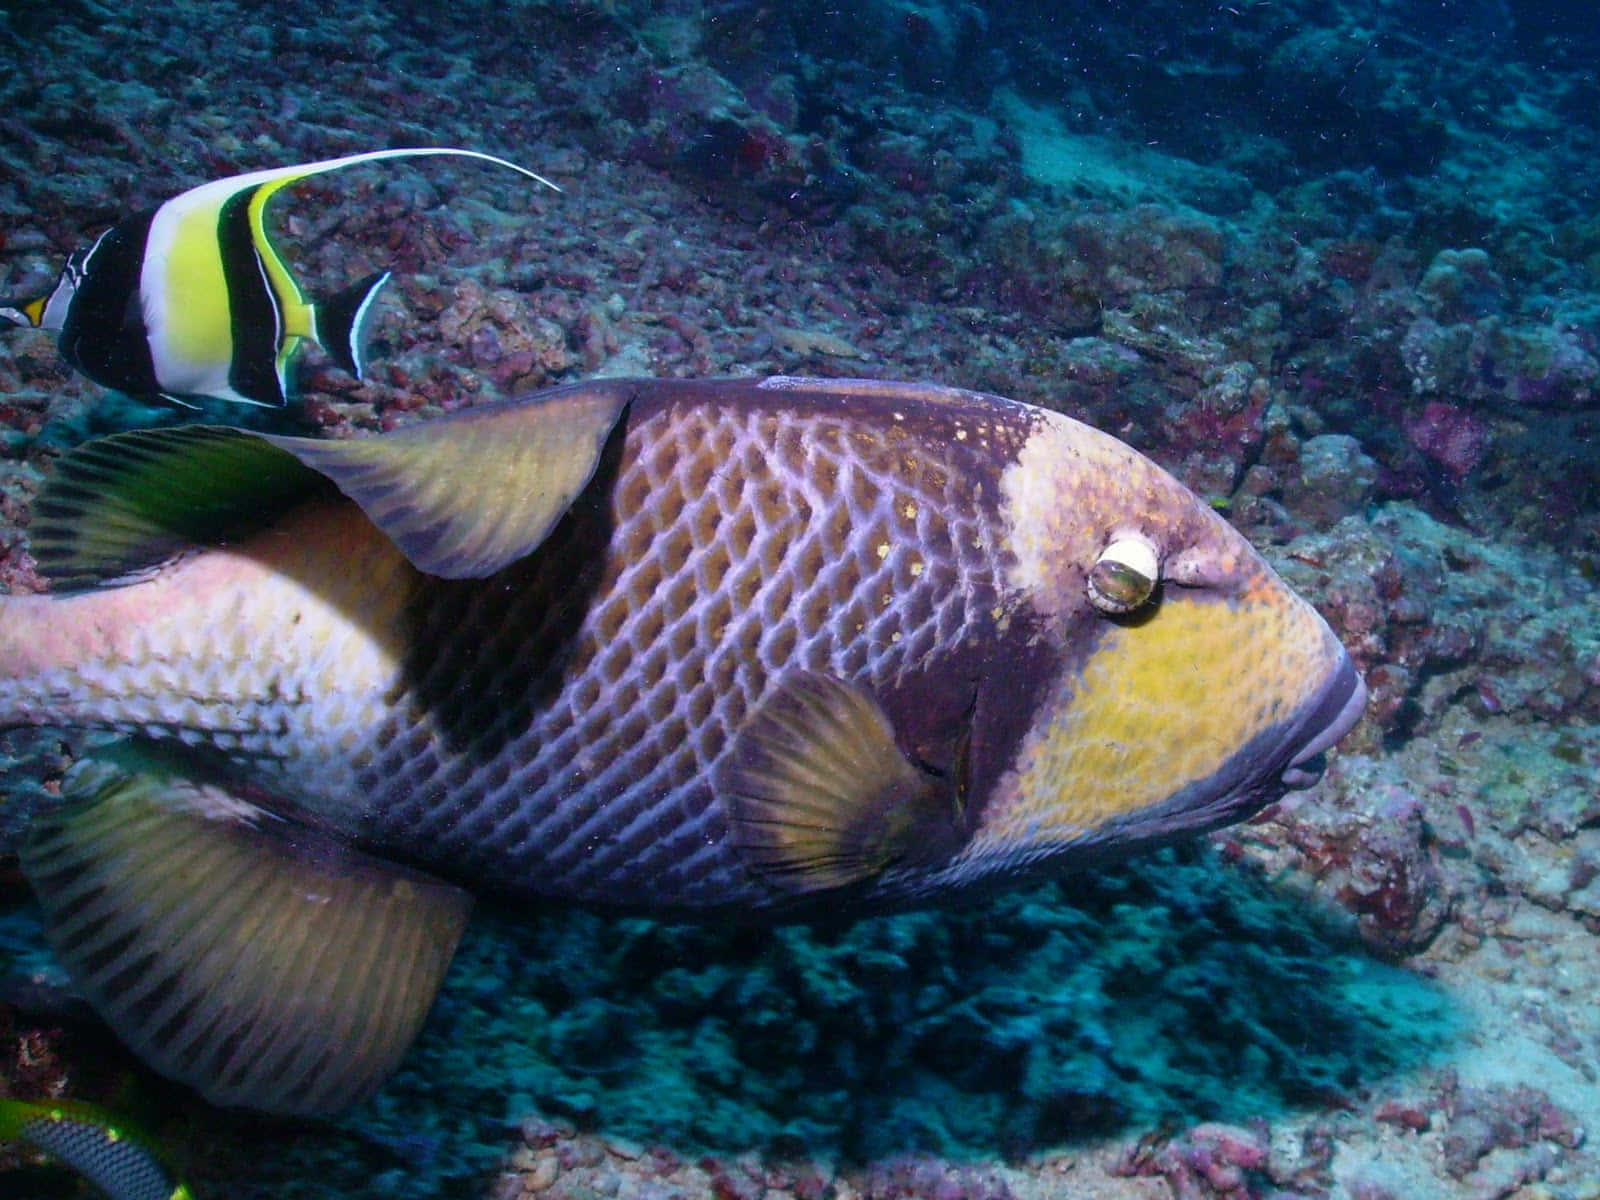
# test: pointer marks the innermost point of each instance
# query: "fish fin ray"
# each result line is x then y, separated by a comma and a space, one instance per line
124, 504
464, 496
821, 796
316, 1014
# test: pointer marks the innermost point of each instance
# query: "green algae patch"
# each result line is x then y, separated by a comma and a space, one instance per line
1174, 990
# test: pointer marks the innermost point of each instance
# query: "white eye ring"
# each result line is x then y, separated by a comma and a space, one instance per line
1124, 577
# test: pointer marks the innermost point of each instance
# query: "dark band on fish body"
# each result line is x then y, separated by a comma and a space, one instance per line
105, 335
254, 311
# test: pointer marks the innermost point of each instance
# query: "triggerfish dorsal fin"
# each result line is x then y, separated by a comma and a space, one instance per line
118, 1159
462, 496
821, 796
260, 962
470, 493
118, 506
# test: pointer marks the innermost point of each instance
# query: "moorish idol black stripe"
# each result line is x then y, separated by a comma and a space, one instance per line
192, 299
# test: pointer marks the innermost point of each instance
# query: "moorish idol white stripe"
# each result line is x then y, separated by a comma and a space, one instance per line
192, 299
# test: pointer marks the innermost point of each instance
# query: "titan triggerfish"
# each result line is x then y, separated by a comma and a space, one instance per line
751, 648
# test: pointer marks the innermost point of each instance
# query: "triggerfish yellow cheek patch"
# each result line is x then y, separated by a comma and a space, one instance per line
1161, 705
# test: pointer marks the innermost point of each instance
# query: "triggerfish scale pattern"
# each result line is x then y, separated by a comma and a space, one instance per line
96, 1143
763, 648
756, 547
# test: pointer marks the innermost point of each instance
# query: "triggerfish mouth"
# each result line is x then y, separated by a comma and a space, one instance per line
757, 648
192, 299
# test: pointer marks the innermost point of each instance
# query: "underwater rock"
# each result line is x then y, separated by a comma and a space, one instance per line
493, 332
1453, 437
1394, 886
1336, 479
1462, 285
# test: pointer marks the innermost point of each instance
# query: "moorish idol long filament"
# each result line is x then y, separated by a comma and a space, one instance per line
192, 299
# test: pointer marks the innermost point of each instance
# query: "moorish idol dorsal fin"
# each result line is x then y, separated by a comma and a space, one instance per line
214, 238
262, 963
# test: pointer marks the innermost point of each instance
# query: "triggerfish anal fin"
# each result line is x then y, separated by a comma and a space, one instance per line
467, 495
262, 963
123, 1163
821, 796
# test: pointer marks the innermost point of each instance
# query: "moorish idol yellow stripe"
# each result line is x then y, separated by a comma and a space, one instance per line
192, 299
93, 1141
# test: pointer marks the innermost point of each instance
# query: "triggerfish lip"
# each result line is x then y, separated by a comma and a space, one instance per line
1327, 719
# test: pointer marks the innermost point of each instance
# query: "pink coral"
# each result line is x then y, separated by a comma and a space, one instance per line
1450, 435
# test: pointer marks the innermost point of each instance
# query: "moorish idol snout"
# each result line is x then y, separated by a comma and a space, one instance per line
192, 298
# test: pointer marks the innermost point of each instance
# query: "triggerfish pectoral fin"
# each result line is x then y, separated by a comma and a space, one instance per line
122, 1162
261, 963
821, 796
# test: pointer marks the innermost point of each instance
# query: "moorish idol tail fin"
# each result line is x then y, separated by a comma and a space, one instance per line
339, 322
261, 962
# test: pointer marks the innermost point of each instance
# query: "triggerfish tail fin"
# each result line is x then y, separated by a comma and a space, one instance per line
820, 794
339, 323
122, 1162
261, 963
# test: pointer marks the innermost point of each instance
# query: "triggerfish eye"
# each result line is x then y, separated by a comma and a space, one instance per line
1124, 577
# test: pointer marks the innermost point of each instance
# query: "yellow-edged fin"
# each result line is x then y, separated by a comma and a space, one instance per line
263, 963
119, 505
118, 1159
466, 495
821, 796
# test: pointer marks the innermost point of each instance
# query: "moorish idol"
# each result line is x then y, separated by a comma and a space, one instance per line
192, 299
